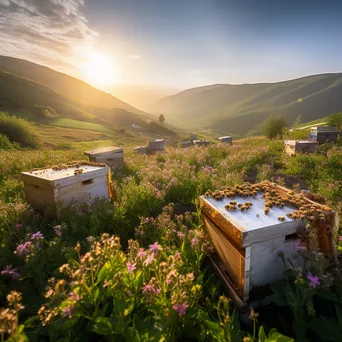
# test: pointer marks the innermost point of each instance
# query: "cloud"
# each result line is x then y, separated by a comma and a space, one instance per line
51, 32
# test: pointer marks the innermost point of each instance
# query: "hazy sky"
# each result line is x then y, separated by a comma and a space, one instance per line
179, 43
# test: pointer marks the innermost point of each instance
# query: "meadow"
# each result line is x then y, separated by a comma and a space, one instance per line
136, 269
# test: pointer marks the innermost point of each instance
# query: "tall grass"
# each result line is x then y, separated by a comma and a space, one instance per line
18, 130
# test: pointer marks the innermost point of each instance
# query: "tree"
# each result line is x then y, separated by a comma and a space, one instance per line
274, 126
335, 120
298, 121
161, 118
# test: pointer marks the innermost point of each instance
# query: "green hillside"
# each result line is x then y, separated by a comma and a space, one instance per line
241, 108
21, 96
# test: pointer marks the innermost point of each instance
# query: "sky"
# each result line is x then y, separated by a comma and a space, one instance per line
175, 43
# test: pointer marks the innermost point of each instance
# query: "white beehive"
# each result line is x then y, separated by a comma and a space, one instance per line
156, 145
58, 186
111, 156
201, 142
248, 242
141, 149
226, 140
300, 146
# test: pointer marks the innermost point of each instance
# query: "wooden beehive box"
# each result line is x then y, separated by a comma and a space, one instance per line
300, 146
141, 149
156, 145
111, 156
59, 185
187, 144
248, 241
226, 140
201, 142
324, 134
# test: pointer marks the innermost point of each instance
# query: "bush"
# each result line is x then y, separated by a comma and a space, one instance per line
274, 126
335, 120
5, 144
18, 130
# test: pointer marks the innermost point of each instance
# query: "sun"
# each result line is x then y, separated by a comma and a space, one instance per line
100, 70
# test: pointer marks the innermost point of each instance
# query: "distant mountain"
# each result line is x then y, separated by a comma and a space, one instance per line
64, 84
243, 108
24, 84
141, 95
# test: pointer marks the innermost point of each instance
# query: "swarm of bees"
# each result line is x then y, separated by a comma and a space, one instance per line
273, 198
78, 172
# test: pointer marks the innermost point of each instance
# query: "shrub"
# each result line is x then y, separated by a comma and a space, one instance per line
335, 120
274, 126
5, 144
18, 130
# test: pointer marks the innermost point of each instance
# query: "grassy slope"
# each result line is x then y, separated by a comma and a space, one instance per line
239, 108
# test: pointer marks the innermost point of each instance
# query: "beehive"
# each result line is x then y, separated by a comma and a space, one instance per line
58, 186
324, 134
187, 144
248, 240
300, 146
226, 140
111, 156
141, 149
156, 145
201, 142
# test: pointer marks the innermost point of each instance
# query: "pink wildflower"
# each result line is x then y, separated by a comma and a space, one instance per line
90, 238
180, 235
299, 247
13, 272
178, 254
131, 267
193, 242
150, 289
74, 296
149, 260
142, 253
58, 230
180, 308
340, 238
68, 311
37, 236
314, 280
155, 247
24, 249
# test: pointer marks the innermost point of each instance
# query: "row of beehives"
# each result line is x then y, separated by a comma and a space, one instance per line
196, 142
317, 135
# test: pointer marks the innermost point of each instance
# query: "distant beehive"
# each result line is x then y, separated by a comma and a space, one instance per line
57, 186
226, 140
300, 146
187, 144
141, 150
111, 156
324, 134
248, 238
192, 136
201, 142
156, 145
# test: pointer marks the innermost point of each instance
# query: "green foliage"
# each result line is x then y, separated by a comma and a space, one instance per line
5, 144
298, 121
18, 130
274, 126
335, 120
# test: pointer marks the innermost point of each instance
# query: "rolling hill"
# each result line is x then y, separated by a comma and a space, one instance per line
242, 108
24, 84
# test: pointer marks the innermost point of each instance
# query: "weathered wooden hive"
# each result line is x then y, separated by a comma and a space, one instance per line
192, 136
226, 140
324, 134
249, 225
201, 142
141, 149
59, 185
300, 146
187, 144
156, 145
111, 156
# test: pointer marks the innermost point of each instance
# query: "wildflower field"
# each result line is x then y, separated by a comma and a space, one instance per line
136, 269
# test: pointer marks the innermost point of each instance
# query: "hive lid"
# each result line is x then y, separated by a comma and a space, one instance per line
53, 175
140, 147
104, 150
157, 140
225, 137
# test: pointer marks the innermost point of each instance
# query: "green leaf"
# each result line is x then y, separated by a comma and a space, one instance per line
130, 308
132, 335
262, 335
275, 336
119, 306
213, 327
103, 326
103, 272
